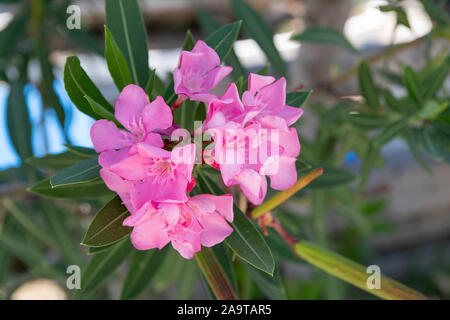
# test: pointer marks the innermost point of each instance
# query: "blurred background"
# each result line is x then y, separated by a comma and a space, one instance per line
399, 221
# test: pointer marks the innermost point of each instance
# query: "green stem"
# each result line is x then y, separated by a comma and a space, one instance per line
215, 275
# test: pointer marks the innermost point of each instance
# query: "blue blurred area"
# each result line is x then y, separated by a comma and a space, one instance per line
44, 125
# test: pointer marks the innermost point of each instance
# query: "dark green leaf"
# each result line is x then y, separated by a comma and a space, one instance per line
124, 20
390, 131
331, 177
435, 80
367, 120
391, 102
367, 85
103, 265
78, 85
271, 286
144, 265
256, 28
101, 111
189, 41
82, 151
18, 121
222, 40
209, 24
412, 85
298, 98
117, 64
82, 172
107, 226
325, 35
92, 189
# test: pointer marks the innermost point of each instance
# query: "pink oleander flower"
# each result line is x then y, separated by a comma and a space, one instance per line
134, 163
252, 138
200, 221
198, 73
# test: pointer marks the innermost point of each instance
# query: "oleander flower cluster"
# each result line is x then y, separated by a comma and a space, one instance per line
253, 139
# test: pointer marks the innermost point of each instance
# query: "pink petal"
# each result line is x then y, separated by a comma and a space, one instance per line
106, 136
284, 173
157, 115
150, 232
185, 248
208, 203
273, 97
129, 106
256, 82
114, 182
253, 185
111, 157
153, 139
209, 56
150, 151
132, 168
290, 114
213, 77
215, 229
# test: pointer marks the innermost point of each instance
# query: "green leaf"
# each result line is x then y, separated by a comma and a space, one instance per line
78, 85
429, 141
391, 102
432, 109
331, 177
271, 286
124, 20
9, 36
209, 24
189, 41
222, 254
96, 250
367, 86
117, 64
81, 172
435, 80
412, 85
325, 35
298, 98
353, 273
101, 111
222, 40
107, 226
103, 265
82, 151
92, 189
390, 131
402, 18
437, 13
151, 83
245, 241
144, 265
367, 120
414, 147
256, 28
18, 121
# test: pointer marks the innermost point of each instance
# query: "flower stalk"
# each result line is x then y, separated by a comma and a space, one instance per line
282, 196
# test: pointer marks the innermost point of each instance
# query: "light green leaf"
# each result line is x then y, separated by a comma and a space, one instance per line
256, 28
78, 85
353, 273
117, 64
107, 226
124, 20
325, 35
82, 172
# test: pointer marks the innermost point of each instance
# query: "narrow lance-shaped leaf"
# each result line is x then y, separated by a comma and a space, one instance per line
18, 121
271, 286
124, 20
255, 27
92, 189
101, 111
81, 172
324, 35
209, 24
107, 226
144, 265
117, 64
222, 40
390, 131
367, 85
412, 85
103, 265
354, 273
298, 98
78, 85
